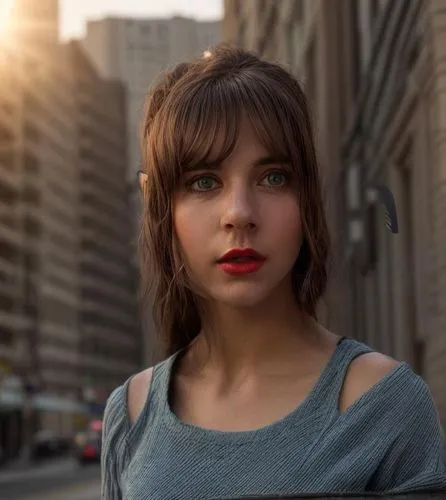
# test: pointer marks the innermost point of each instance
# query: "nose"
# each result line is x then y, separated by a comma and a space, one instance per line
239, 211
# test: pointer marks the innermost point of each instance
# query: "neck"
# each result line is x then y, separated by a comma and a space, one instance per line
249, 338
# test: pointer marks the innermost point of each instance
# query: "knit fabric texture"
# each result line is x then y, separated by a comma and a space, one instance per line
389, 440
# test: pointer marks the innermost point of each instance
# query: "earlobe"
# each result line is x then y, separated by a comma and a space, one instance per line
143, 182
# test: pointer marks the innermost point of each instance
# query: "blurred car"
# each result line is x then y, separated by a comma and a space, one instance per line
46, 444
89, 447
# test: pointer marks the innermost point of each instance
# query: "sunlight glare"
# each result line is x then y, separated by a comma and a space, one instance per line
5, 17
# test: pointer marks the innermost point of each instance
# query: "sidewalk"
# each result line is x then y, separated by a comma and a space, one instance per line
89, 490
28, 470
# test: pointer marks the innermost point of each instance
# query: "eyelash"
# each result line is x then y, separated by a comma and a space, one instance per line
287, 178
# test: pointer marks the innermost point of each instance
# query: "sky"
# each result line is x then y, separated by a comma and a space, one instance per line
75, 13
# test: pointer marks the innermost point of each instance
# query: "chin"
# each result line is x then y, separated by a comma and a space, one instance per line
241, 295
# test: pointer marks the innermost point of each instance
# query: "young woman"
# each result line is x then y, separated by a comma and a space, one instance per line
255, 396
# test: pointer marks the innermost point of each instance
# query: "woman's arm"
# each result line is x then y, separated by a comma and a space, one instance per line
122, 410
113, 444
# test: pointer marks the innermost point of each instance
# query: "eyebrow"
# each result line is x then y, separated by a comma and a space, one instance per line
260, 162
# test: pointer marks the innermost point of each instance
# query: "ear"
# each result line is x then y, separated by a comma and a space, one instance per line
143, 180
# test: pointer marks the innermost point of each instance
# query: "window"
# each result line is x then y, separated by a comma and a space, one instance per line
162, 33
7, 251
290, 29
355, 46
31, 132
5, 134
370, 238
241, 34
7, 195
6, 334
32, 226
310, 80
237, 9
300, 11
30, 262
353, 188
374, 11
419, 357
6, 108
6, 159
31, 164
58, 312
31, 195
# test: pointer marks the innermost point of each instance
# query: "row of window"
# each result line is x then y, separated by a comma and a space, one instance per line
109, 302
109, 351
95, 318
116, 254
93, 271
145, 30
6, 334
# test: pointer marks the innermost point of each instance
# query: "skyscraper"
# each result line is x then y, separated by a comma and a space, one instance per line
68, 314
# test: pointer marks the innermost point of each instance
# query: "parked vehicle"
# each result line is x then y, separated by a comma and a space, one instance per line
46, 445
89, 447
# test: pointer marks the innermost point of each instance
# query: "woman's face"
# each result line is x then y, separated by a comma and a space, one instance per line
248, 202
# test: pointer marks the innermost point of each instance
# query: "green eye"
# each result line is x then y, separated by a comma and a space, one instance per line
276, 179
204, 183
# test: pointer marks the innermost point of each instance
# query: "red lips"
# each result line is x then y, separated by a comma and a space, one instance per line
240, 253
241, 261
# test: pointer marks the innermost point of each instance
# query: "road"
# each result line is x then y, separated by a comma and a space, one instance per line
62, 479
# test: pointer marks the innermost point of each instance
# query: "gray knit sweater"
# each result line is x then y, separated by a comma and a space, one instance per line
388, 440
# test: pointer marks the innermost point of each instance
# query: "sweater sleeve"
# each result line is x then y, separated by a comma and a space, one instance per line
114, 447
416, 459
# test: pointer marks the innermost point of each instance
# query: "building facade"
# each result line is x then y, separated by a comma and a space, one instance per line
68, 322
135, 52
11, 321
395, 138
372, 73
41, 314
110, 343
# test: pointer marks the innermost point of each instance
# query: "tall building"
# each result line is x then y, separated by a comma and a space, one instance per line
68, 319
396, 138
108, 322
11, 321
136, 51
44, 354
371, 71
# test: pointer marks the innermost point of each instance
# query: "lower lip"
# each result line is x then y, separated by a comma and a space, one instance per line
245, 267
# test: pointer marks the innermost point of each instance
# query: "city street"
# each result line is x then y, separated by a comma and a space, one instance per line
57, 480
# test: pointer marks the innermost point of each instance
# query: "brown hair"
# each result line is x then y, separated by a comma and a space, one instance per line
184, 114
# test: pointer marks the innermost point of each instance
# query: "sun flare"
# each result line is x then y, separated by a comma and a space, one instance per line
5, 17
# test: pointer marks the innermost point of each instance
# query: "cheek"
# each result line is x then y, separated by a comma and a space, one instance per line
285, 224
192, 226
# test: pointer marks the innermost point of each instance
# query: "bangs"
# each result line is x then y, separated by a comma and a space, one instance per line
204, 120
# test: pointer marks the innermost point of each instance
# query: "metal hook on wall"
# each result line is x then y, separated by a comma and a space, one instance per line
385, 196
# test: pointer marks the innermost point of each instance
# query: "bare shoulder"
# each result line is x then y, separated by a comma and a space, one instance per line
363, 373
137, 393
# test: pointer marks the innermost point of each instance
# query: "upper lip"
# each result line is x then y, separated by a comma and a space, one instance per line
235, 253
